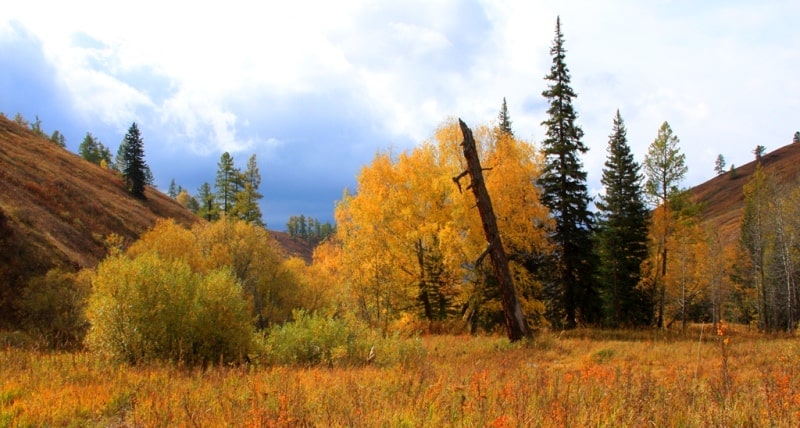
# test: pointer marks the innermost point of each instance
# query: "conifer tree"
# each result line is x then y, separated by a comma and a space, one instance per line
622, 243
58, 139
247, 198
665, 167
503, 121
207, 205
719, 165
226, 185
173, 190
564, 192
135, 170
94, 151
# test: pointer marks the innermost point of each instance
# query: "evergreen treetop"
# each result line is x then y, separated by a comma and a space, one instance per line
622, 238
503, 121
564, 192
134, 168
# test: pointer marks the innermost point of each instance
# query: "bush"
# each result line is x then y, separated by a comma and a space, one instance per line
313, 339
52, 308
148, 308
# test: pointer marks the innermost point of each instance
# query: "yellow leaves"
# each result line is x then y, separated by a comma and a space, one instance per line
408, 213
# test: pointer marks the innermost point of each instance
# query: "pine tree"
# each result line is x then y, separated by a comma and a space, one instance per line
58, 139
564, 192
207, 208
173, 190
226, 185
719, 165
622, 243
247, 198
135, 170
89, 149
665, 167
503, 121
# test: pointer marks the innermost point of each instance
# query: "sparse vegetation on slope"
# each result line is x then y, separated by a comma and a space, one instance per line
56, 209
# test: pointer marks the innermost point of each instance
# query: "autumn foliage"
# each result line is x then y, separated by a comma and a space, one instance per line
410, 237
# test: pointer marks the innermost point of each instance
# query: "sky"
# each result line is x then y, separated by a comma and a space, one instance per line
316, 88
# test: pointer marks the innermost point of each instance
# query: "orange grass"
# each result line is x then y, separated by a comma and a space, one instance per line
576, 379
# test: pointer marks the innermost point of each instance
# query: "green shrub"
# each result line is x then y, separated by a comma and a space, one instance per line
148, 308
52, 308
312, 339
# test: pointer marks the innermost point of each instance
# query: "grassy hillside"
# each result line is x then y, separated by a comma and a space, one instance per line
723, 197
56, 210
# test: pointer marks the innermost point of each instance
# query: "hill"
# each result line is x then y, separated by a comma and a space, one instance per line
723, 197
56, 209
293, 246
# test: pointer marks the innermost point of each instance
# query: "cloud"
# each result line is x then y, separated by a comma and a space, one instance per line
316, 88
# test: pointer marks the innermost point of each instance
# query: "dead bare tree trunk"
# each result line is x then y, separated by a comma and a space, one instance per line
516, 326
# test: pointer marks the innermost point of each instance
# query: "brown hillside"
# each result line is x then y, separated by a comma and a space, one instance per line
56, 210
723, 196
294, 247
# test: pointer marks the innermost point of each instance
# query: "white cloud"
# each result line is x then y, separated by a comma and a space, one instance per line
217, 76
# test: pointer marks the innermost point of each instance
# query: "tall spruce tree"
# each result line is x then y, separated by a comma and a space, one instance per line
564, 192
503, 121
227, 183
622, 235
134, 168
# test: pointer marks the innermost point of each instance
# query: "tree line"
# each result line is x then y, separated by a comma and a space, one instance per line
407, 241
235, 194
309, 229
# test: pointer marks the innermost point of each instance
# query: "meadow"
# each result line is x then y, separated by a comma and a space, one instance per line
704, 377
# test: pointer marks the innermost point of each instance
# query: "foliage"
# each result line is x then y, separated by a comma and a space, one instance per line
227, 184
503, 122
53, 307
410, 239
188, 201
236, 194
665, 167
271, 288
309, 228
154, 308
579, 378
564, 193
769, 240
58, 139
312, 339
622, 235
207, 202
719, 165
94, 151
133, 167
246, 206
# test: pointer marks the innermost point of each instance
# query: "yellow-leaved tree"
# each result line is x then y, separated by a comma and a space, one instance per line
410, 238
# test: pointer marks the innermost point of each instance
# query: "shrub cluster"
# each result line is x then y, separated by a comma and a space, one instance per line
150, 308
314, 339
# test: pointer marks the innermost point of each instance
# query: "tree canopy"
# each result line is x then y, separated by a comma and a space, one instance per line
564, 192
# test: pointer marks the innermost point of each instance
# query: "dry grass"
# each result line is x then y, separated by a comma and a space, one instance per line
636, 379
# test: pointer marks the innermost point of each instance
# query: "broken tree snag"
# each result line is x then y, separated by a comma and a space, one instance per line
516, 326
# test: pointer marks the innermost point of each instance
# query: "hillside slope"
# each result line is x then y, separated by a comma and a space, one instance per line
723, 197
56, 209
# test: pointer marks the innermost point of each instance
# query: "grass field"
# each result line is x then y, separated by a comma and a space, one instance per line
579, 378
